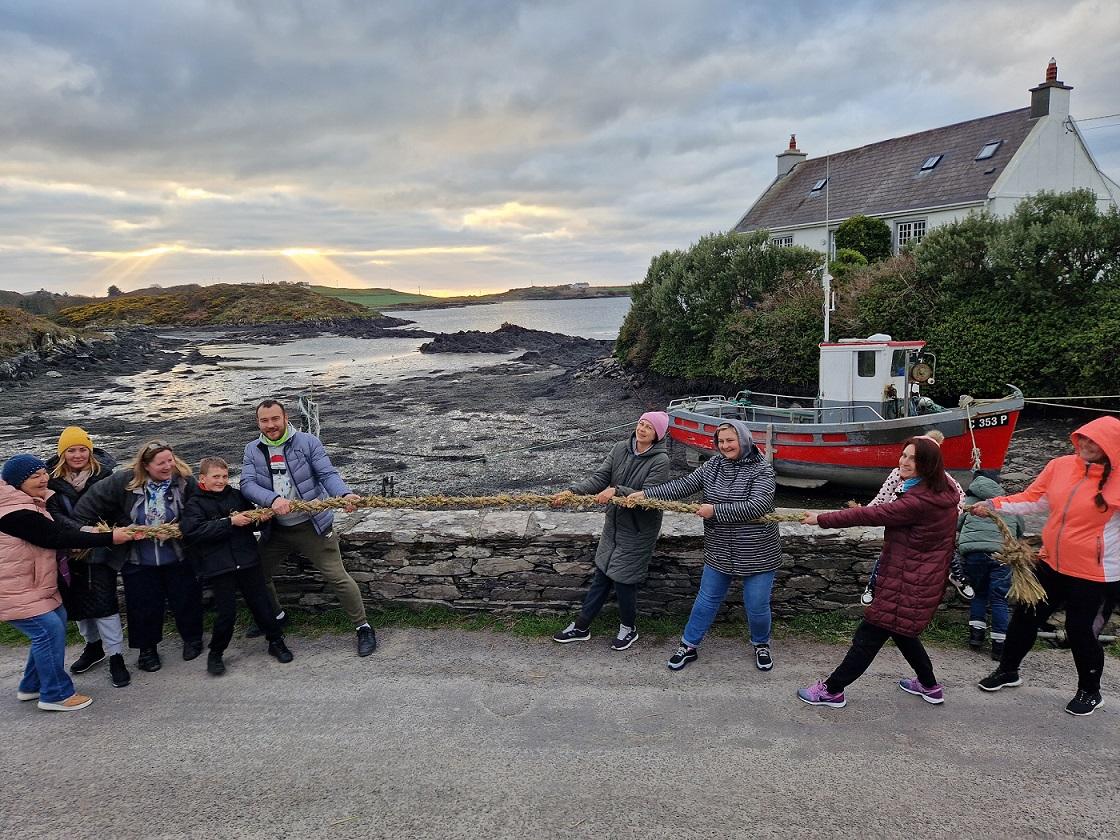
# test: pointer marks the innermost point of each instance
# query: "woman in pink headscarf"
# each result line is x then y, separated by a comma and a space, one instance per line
629, 534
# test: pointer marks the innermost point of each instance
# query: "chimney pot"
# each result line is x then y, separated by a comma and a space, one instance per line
793, 142
1052, 71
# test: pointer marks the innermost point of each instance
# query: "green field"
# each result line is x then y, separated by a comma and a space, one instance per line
374, 298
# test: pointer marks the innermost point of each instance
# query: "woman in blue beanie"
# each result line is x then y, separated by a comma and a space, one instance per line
29, 599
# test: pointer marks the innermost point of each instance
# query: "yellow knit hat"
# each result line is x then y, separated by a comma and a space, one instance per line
74, 436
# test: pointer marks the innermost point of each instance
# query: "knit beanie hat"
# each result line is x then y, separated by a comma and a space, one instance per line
19, 468
659, 420
74, 436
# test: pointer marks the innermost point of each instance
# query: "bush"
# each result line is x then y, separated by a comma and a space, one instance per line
870, 237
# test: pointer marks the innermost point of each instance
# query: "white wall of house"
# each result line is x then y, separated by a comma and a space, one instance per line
1053, 158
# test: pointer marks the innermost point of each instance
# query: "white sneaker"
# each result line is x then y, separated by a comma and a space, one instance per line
27, 695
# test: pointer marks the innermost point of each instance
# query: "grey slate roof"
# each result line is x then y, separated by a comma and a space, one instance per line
885, 177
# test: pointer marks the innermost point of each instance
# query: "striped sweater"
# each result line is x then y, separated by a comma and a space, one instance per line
740, 490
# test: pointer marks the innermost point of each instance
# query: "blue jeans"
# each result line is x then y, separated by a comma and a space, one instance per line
713, 589
992, 580
46, 663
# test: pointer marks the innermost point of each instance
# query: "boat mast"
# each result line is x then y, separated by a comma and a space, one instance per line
826, 278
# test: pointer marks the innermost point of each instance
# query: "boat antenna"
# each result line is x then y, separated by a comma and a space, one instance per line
826, 278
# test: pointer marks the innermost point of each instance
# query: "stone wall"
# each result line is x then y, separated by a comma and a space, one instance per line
540, 561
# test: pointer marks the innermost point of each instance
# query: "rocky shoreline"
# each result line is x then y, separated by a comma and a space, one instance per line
536, 421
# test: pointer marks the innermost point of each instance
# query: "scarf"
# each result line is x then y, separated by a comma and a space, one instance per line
78, 480
155, 511
288, 432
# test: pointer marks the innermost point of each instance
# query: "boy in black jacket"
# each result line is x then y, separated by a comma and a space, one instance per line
220, 543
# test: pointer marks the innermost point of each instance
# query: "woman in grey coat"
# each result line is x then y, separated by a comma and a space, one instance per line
629, 534
737, 486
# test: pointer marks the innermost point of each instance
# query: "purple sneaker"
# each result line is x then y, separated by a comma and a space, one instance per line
933, 695
818, 695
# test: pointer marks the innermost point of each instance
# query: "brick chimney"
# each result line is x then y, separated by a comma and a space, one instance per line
790, 157
1051, 98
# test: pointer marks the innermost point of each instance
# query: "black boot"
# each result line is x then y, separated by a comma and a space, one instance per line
148, 660
214, 664
118, 673
93, 654
280, 650
976, 637
367, 641
997, 651
191, 649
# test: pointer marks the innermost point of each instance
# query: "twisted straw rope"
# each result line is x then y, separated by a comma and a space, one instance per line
1025, 588
170, 530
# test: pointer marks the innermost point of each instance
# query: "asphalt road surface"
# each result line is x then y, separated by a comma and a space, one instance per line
450, 734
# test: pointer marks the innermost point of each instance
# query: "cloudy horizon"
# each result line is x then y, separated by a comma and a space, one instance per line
458, 148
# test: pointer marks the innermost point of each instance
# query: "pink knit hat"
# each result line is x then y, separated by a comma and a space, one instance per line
659, 420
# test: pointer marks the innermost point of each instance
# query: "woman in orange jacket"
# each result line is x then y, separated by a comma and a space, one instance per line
1080, 555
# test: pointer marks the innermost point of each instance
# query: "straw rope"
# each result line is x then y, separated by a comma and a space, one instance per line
170, 530
1025, 588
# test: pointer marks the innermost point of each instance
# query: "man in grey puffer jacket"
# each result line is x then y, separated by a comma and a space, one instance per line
284, 465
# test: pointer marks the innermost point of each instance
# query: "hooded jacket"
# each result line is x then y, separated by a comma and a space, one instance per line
918, 541
1079, 539
629, 534
740, 490
980, 533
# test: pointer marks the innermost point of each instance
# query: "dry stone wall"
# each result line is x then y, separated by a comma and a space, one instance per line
541, 561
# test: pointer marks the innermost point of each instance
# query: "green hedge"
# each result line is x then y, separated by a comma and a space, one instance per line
1033, 300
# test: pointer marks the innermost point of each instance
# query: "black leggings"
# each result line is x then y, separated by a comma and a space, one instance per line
149, 590
626, 593
866, 644
1082, 600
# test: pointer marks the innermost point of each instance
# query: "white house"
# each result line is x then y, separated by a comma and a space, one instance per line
917, 182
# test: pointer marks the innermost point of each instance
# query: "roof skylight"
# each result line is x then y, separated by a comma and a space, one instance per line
989, 149
817, 187
931, 162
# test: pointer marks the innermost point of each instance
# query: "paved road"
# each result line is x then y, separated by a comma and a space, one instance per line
451, 734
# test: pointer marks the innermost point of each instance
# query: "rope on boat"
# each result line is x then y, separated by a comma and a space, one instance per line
966, 404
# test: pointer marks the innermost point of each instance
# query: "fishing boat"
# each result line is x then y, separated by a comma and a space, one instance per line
869, 401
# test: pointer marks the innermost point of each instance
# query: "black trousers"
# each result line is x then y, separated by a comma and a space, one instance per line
253, 588
866, 644
626, 593
1082, 600
149, 590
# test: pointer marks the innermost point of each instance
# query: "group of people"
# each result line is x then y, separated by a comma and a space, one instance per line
66, 532
930, 526
57, 560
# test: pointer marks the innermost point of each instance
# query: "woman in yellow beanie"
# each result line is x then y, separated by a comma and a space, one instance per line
87, 581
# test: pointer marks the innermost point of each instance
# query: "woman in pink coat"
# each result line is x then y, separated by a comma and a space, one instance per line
29, 569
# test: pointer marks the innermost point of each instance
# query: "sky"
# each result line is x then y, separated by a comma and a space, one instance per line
469, 147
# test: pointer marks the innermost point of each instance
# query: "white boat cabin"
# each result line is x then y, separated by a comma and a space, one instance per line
874, 378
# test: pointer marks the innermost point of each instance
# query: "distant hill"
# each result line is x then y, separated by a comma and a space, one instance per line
42, 302
391, 299
224, 303
20, 331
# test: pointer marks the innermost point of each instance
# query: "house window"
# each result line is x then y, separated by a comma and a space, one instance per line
817, 187
865, 363
931, 162
782, 241
989, 149
907, 232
